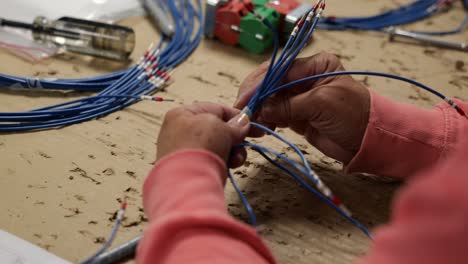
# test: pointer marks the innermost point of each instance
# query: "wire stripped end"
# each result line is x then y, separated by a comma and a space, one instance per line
155, 98
247, 112
123, 206
310, 16
461, 112
336, 201
320, 11
456, 107
120, 214
150, 56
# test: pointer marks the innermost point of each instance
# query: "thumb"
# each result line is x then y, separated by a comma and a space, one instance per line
239, 127
284, 110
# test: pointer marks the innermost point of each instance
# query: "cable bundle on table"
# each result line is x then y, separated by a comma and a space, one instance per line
116, 90
412, 12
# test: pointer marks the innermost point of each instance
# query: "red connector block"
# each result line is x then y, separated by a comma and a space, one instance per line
283, 7
228, 20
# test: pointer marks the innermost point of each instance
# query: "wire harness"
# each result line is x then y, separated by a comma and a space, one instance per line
117, 90
279, 66
416, 11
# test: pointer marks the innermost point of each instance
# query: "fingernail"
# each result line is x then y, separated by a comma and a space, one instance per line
243, 120
240, 120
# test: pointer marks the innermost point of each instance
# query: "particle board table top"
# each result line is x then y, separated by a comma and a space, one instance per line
60, 188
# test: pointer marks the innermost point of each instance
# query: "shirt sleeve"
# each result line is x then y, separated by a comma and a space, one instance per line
430, 219
430, 215
184, 199
402, 140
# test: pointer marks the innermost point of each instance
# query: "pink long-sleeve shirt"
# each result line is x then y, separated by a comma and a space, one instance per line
189, 223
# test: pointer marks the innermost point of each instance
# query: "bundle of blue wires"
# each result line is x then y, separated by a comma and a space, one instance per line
457, 30
117, 90
412, 12
271, 85
272, 157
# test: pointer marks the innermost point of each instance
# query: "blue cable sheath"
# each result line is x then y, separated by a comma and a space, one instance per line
412, 12
263, 152
245, 202
115, 90
279, 68
294, 147
106, 245
282, 65
331, 74
457, 30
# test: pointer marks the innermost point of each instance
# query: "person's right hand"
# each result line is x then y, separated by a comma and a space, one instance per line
332, 113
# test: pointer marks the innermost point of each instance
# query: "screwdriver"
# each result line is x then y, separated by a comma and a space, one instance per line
159, 17
81, 36
394, 33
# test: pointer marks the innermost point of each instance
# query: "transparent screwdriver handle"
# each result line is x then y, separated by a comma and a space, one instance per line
86, 37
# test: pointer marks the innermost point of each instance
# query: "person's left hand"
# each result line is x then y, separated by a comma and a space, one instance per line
207, 126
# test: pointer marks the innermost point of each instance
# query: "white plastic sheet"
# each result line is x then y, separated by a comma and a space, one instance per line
14, 250
27, 10
20, 42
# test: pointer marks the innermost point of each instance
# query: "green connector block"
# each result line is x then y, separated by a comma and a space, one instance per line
254, 35
258, 3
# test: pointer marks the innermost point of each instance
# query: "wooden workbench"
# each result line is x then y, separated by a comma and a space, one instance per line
60, 188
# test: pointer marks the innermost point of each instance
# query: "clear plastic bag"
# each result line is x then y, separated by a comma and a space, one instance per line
20, 42
24, 47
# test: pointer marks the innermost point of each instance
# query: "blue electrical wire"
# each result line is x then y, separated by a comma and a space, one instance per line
457, 30
109, 241
331, 74
245, 202
264, 153
285, 60
304, 169
273, 77
278, 69
115, 90
301, 155
412, 12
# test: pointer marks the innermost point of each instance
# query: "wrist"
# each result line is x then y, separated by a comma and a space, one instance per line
183, 174
191, 153
400, 139
193, 146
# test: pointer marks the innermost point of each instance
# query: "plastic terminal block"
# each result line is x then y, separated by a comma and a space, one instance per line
211, 7
255, 36
258, 3
283, 7
228, 20
292, 18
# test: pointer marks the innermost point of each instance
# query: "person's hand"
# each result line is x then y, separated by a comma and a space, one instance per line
205, 126
332, 113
